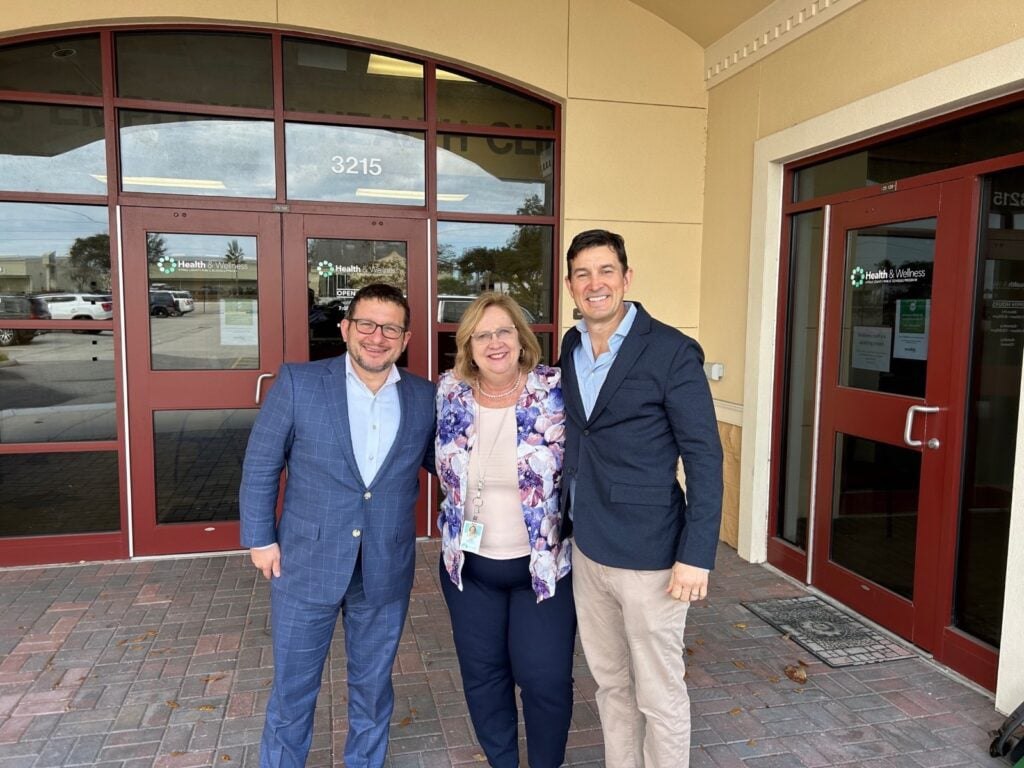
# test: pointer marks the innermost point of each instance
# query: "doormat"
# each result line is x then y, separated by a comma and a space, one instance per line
836, 638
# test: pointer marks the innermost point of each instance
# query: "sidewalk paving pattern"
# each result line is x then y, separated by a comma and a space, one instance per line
167, 663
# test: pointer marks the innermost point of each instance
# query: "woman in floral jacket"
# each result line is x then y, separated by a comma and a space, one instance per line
499, 446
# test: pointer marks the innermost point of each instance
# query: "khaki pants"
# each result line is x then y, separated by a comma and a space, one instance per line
632, 635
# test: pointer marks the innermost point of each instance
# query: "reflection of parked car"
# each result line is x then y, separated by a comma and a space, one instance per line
451, 308
79, 306
15, 308
162, 304
184, 301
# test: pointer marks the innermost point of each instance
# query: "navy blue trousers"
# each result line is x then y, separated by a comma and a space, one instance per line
302, 633
505, 638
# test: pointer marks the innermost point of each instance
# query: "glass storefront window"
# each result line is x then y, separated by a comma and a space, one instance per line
333, 79
957, 142
802, 336
356, 165
68, 65
462, 99
490, 174
198, 459
58, 386
224, 68
887, 307
473, 257
203, 301
52, 148
178, 154
993, 405
48, 248
87, 499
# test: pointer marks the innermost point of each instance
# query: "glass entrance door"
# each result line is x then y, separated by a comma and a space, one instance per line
204, 337
326, 260
891, 408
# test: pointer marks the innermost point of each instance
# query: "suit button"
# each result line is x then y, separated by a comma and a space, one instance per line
586, 432
367, 495
357, 533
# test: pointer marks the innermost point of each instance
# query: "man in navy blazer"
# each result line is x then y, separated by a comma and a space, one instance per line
352, 433
637, 401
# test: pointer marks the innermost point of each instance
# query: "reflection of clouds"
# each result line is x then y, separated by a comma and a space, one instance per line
310, 150
239, 153
32, 229
70, 172
484, 192
462, 236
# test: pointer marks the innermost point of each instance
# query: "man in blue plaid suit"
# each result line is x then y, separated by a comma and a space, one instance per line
352, 432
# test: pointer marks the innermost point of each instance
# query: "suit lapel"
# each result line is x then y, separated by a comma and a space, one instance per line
337, 397
570, 384
632, 346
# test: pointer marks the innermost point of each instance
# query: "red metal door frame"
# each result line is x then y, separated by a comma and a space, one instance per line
881, 416
150, 391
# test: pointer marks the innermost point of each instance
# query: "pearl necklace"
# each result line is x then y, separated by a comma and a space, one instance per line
500, 395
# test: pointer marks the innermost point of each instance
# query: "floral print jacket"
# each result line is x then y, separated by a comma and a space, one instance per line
540, 439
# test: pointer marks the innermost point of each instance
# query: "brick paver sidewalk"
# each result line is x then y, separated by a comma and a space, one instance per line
168, 663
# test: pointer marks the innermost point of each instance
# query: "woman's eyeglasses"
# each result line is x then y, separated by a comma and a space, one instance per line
501, 334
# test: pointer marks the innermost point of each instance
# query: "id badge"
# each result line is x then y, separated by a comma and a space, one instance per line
472, 532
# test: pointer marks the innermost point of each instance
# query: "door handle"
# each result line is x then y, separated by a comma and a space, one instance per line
259, 385
909, 426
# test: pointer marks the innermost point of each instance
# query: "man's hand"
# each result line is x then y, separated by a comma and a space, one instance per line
267, 559
688, 582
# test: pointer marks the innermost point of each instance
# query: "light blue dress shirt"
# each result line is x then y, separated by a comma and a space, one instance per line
373, 419
591, 372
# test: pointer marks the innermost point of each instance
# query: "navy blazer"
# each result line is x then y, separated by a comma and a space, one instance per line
303, 425
655, 407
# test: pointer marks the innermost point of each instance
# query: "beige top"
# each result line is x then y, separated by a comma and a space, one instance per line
493, 459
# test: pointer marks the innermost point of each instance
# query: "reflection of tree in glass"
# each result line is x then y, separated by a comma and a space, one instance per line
235, 256
388, 269
156, 247
89, 262
516, 268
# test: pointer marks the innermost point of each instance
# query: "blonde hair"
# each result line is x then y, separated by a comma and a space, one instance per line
465, 369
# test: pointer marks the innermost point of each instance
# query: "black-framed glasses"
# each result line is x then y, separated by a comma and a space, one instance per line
367, 327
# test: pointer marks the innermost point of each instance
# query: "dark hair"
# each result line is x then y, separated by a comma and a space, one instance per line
595, 238
380, 292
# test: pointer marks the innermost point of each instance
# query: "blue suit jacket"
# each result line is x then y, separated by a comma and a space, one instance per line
303, 425
629, 510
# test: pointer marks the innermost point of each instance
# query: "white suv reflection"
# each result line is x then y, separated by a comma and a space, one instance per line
79, 306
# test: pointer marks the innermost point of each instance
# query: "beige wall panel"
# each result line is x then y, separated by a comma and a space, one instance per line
732, 128
523, 41
875, 45
666, 269
630, 162
619, 51
60, 13
731, 443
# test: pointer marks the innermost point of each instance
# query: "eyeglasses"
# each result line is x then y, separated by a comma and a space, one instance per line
501, 334
367, 327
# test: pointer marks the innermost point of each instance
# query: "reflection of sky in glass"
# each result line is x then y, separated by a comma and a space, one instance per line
462, 236
199, 157
189, 247
32, 229
464, 185
73, 171
331, 162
